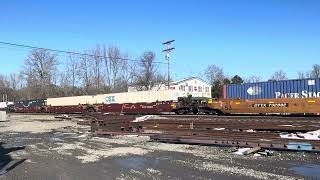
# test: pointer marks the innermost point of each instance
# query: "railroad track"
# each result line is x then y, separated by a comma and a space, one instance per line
244, 131
240, 131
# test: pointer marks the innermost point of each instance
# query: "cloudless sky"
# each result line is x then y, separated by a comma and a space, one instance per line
244, 37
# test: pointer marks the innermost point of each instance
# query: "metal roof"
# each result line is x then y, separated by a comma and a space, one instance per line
187, 79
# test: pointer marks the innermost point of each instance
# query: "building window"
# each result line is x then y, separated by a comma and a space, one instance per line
190, 88
195, 88
200, 89
207, 89
182, 88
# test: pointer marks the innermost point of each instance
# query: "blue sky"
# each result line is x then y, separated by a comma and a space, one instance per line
244, 37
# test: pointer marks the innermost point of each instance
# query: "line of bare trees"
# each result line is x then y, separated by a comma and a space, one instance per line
107, 69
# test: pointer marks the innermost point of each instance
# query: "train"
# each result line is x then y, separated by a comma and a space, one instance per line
127, 102
183, 105
299, 96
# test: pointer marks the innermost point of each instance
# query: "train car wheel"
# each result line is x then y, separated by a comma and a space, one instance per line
195, 110
91, 110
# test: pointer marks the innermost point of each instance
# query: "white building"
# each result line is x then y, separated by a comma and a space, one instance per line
191, 86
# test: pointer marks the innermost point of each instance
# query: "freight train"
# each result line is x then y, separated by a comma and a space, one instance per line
272, 97
183, 105
142, 102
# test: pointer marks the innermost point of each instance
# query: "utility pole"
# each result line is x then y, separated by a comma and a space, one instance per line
168, 50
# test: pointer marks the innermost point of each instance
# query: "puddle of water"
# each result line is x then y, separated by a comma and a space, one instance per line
164, 158
55, 139
308, 170
140, 163
136, 162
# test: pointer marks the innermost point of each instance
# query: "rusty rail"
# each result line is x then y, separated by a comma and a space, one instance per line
228, 131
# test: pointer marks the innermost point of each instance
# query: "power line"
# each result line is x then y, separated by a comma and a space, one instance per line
71, 52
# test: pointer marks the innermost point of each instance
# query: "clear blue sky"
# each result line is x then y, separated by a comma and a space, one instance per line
245, 37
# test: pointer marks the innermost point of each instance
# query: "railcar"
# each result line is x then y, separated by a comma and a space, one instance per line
142, 102
29, 106
268, 106
248, 106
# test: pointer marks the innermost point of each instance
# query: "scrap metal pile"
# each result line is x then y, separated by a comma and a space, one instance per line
239, 131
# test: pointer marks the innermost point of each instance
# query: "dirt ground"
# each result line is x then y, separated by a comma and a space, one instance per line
42, 147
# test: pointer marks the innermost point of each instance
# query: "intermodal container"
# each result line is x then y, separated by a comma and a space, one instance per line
296, 88
29, 103
137, 97
71, 101
116, 98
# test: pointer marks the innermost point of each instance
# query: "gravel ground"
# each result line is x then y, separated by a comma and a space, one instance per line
42, 147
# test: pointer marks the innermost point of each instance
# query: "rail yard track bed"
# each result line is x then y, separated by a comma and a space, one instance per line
39, 147
239, 131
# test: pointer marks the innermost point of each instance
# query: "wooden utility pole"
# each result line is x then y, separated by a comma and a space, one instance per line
168, 50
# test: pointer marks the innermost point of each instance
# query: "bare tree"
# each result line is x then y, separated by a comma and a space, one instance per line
315, 72
117, 69
301, 75
39, 70
278, 75
108, 70
4, 87
14, 80
253, 79
147, 76
96, 66
213, 74
86, 74
116, 63
73, 71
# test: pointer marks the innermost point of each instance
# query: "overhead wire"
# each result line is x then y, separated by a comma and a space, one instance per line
72, 52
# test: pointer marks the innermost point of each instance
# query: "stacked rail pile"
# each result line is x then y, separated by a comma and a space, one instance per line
232, 131
109, 123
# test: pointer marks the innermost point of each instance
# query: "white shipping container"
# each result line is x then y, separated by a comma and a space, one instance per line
72, 100
3, 116
137, 97
120, 98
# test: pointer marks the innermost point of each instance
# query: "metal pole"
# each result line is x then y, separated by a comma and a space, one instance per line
167, 56
168, 59
168, 73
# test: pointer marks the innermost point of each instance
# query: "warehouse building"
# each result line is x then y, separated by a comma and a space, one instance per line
190, 86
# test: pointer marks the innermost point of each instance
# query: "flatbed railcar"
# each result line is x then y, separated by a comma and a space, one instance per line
184, 105
124, 108
283, 106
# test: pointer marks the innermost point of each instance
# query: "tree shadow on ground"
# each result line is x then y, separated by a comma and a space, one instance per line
6, 161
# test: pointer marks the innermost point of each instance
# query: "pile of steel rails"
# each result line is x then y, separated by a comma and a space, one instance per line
240, 131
